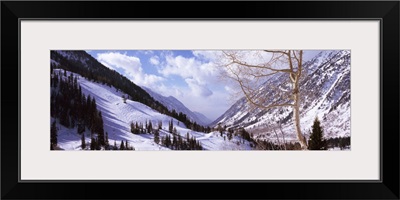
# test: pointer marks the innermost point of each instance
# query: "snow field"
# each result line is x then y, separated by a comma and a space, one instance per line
118, 115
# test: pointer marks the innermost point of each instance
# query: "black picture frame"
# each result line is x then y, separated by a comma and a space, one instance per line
386, 11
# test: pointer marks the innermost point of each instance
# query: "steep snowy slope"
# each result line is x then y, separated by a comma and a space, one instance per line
82, 63
325, 92
174, 104
118, 115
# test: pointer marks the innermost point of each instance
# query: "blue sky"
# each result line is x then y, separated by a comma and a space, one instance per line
189, 76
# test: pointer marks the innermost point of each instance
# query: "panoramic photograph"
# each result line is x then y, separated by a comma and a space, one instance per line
218, 100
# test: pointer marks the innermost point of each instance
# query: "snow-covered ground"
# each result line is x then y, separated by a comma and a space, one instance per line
338, 149
118, 115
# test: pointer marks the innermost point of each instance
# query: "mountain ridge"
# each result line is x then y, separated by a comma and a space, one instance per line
118, 115
173, 103
82, 63
326, 93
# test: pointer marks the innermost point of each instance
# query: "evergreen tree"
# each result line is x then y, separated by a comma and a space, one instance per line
83, 142
219, 128
72, 123
160, 124
93, 144
343, 142
107, 142
174, 141
81, 128
115, 145
133, 130
98, 145
149, 127
64, 118
180, 142
167, 141
230, 135
171, 126
53, 133
122, 147
316, 141
156, 136
99, 128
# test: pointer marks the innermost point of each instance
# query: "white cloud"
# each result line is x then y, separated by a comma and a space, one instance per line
212, 106
193, 68
114, 60
173, 90
202, 91
229, 89
198, 89
147, 52
131, 67
208, 55
154, 60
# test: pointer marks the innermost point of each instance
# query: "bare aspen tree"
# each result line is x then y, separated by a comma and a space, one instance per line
250, 73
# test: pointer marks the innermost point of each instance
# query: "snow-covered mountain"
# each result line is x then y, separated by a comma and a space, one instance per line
325, 92
203, 118
174, 104
118, 115
81, 57
81, 61
109, 89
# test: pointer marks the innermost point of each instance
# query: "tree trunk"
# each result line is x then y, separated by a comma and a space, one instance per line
296, 119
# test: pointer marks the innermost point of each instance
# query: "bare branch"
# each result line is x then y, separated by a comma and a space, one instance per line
295, 57
261, 66
247, 74
234, 60
276, 51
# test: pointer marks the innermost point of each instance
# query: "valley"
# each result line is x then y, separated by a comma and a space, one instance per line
325, 94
